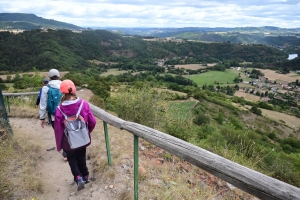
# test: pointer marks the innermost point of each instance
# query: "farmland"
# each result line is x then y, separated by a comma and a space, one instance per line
210, 77
195, 66
247, 96
113, 72
273, 76
43, 74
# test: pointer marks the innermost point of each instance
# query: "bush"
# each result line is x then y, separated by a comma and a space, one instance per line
272, 135
143, 106
97, 101
255, 110
201, 119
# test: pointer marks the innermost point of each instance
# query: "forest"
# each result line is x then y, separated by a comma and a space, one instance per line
65, 50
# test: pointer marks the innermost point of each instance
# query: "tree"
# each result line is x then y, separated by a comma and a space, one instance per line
255, 110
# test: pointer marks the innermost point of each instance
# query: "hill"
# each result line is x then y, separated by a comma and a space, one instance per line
10, 21
283, 38
66, 50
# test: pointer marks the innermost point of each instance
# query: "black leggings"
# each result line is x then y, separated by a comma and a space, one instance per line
77, 162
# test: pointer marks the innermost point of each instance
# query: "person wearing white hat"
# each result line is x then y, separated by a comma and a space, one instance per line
54, 83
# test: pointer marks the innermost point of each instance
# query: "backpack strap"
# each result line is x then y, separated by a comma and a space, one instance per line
66, 117
77, 114
79, 110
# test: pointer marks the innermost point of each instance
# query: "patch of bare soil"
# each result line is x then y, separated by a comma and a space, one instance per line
84, 93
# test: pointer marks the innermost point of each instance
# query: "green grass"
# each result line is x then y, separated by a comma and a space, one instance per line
210, 77
181, 110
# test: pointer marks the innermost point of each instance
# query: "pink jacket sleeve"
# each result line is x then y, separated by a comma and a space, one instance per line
91, 120
58, 129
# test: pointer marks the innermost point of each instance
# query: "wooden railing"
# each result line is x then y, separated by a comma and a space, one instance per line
253, 182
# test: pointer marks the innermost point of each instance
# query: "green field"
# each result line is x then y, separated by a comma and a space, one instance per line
210, 77
182, 109
113, 72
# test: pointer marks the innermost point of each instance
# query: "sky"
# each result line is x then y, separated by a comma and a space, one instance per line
161, 13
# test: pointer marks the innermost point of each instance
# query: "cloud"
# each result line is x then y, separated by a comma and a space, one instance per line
155, 13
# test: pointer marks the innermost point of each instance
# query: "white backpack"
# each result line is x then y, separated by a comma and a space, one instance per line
76, 129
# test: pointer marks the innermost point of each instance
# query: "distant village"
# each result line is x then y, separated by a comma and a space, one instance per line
280, 90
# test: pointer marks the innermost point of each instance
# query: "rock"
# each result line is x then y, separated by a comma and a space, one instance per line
203, 185
49, 149
155, 182
142, 148
105, 188
231, 187
58, 189
173, 183
72, 183
219, 183
5, 191
111, 186
125, 166
142, 171
91, 191
72, 193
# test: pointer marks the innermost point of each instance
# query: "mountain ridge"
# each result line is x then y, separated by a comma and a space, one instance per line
27, 21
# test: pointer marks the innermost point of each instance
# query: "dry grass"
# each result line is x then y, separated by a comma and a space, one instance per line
289, 120
22, 163
23, 107
247, 96
273, 76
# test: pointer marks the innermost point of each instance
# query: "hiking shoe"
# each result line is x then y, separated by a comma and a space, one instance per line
80, 183
86, 179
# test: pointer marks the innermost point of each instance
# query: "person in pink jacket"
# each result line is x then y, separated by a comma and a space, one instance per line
76, 157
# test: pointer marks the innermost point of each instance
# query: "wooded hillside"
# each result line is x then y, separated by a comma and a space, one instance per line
65, 50
30, 21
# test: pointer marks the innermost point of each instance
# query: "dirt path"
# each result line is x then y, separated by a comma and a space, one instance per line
56, 173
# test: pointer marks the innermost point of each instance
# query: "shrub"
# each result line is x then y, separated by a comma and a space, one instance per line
143, 106
255, 110
272, 135
97, 101
201, 119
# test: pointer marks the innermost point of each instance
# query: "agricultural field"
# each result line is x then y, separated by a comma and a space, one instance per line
97, 62
113, 72
210, 77
43, 74
247, 96
195, 66
289, 120
273, 76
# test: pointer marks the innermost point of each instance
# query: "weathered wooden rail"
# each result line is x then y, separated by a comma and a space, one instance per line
253, 182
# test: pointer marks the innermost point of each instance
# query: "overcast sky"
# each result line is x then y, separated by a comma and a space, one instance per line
161, 13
